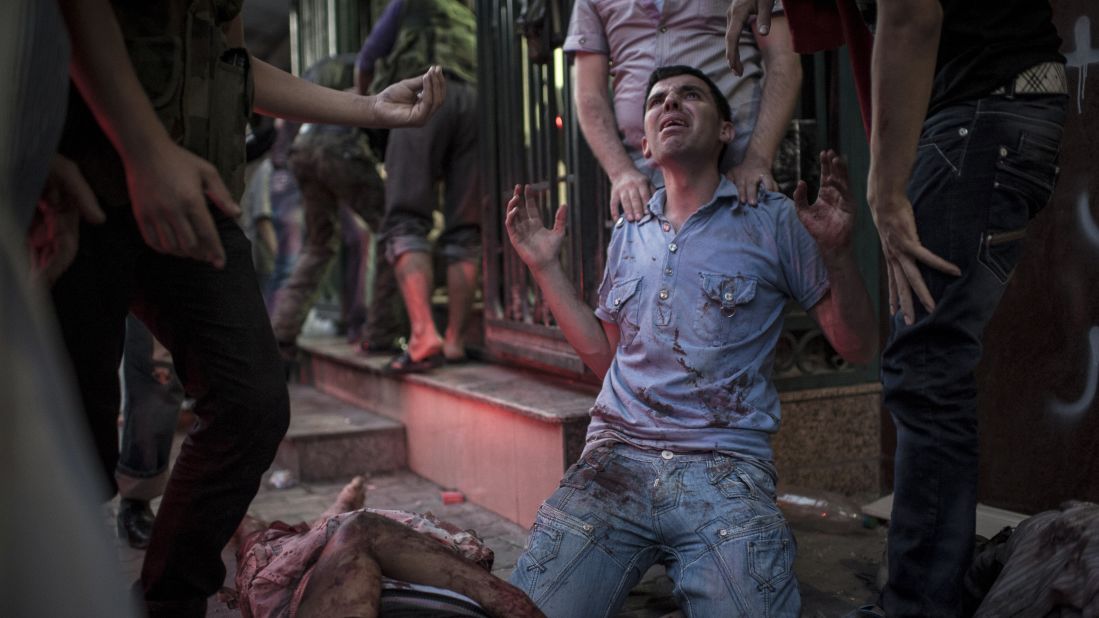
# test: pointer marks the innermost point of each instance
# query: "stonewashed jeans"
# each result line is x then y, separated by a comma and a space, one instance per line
709, 518
984, 168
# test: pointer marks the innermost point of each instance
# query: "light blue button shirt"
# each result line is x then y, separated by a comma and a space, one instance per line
699, 312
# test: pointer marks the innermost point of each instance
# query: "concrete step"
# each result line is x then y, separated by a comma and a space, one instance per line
500, 435
329, 439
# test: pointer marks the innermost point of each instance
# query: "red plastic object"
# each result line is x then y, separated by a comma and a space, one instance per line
452, 497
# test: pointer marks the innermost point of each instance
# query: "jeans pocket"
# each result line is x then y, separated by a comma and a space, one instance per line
770, 561
582, 473
1028, 171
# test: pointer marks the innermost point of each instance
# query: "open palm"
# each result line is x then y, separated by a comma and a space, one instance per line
536, 245
831, 219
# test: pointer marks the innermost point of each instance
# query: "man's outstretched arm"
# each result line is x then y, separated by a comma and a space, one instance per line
410, 102
902, 72
594, 340
845, 313
630, 189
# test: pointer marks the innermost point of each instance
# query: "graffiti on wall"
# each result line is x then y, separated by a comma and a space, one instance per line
1081, 56
1076, 409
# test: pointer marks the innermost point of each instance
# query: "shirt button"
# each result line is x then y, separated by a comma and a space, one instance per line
668, 271
617, 301
667, 227
663, 28
723, 532
728, 297
673, 247
663, 294
667, 454
963, 131
1003, 151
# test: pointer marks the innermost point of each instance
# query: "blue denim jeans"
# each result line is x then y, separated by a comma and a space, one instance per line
983, 169
150, 412
710, 519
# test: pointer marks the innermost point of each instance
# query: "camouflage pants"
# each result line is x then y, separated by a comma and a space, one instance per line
336, 172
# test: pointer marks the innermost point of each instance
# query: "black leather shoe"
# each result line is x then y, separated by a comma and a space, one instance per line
135, 522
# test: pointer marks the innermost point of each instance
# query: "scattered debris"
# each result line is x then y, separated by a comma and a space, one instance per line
282, 479
452, 496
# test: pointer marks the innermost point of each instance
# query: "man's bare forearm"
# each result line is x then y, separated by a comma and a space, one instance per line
283, 95
575, 319
846, 315
902, 73
781, 85
595, 112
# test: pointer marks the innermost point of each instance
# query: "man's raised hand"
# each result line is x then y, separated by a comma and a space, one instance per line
409, 102
831, 219
537, 246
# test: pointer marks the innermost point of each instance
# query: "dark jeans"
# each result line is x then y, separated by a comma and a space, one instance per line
150, 412
983, 169
214, 324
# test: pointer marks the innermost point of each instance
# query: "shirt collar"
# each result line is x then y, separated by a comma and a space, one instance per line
725, 194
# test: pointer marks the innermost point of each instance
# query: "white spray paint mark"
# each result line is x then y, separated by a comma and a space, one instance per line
1087, 222
1077, 408
1082, 56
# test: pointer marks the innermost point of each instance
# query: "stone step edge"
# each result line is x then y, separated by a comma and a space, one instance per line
336, 351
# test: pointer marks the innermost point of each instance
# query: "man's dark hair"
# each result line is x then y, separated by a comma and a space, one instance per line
663, 73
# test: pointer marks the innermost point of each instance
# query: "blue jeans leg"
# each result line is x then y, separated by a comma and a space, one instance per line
983, 169
150, 411
710, 519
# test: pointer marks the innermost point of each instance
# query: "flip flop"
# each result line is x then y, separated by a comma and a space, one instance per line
403, 363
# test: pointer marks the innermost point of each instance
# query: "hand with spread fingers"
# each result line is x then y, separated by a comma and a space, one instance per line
54, 235
740, 11
630, 193
748, 176
409, 102
536, 245
903, 253
830, 220
168, 191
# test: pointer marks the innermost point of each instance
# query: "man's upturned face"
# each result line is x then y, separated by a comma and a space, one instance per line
682, 121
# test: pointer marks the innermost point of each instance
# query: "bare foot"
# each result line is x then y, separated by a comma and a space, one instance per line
454, 351
352, 495
351, 498
423, 347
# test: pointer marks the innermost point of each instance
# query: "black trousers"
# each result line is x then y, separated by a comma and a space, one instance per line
215, 325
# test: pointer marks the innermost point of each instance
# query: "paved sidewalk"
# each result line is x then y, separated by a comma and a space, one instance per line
835, 571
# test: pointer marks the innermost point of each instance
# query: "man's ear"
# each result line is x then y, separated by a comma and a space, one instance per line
645, 152
725, 134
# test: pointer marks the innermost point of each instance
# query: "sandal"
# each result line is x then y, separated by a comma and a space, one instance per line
403, 363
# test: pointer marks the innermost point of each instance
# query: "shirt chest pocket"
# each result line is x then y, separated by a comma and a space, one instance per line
623, 304
723, 306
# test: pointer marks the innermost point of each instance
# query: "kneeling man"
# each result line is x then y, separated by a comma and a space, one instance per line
678, 468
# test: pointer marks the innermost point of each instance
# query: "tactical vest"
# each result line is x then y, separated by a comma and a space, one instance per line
442, 32
201, 89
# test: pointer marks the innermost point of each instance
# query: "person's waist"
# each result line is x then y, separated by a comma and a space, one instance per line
1043, 78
